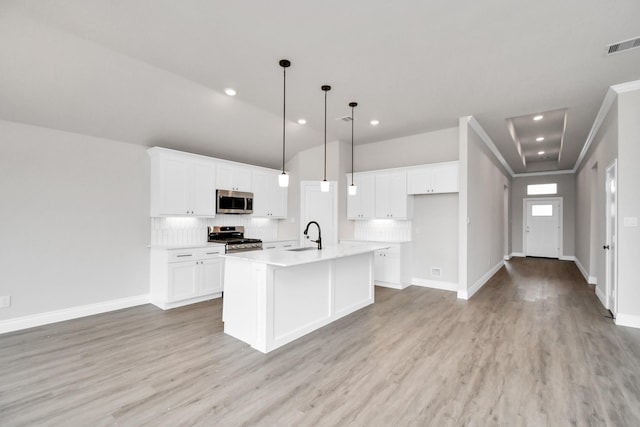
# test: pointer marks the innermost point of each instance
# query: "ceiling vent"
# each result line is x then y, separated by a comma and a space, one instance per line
345, 118
622, 46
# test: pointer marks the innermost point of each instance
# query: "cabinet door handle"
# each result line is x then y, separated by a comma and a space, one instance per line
183, 255
213, 253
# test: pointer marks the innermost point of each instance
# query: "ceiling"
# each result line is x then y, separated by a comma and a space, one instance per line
153, 72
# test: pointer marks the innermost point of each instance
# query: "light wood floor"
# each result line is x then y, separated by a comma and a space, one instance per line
533, 347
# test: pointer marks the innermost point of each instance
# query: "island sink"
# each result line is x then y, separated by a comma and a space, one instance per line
302, 249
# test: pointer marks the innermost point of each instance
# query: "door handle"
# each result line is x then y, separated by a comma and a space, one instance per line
606, 247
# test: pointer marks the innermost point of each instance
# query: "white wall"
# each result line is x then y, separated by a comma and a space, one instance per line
566, 190
435, 237
628, 207
74, 220
481, 221
590, 200
430, 147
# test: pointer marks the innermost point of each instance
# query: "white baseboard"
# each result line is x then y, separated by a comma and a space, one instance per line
592, 280
567, 258
507, 257
468, 293
434, 284
55, 316
389, 285
630, 320
603, 299
169, 305
582, 270
517, 254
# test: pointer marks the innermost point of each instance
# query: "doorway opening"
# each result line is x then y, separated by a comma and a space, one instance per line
610, 246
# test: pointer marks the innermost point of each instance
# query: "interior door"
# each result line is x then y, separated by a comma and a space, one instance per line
610, 245
322, 208
542, 228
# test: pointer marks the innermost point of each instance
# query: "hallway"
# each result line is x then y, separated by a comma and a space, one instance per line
533, 347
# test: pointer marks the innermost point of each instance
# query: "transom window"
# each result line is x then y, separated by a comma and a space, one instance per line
538, 189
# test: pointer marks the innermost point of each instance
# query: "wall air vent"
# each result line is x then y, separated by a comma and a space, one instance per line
345, 118
622, 46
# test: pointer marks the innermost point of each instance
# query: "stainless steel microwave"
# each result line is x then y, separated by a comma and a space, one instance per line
234, 202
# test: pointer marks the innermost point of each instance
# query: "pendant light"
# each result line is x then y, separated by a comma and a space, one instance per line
283, 178
353, 190
324, 185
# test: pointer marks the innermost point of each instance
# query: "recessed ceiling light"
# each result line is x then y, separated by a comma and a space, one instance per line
540, 138
302, 121
541, 152
536, 118
230, 92
374, 122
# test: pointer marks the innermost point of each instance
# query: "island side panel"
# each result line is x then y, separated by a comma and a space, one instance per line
353, 284
241, 304
301, 301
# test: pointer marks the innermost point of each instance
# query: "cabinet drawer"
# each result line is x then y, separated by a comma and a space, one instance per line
209, 253
182, 255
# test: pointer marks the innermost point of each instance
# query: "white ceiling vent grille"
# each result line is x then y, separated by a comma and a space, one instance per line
345, 118
622, 46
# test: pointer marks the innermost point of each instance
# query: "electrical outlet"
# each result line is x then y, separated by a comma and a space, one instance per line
5, 301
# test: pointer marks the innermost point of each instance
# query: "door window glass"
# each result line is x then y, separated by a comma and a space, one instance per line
541, 210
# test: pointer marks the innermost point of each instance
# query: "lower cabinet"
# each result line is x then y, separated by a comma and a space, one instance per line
185, 276
392, 266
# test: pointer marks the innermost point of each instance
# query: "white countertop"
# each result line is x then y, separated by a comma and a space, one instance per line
289, 258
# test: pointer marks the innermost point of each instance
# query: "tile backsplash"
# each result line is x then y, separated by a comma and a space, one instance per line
383, 230
188, 231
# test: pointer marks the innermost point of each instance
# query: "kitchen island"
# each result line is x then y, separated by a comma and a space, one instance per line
274, 297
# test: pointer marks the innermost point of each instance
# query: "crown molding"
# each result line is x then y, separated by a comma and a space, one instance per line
488, 142
607, 103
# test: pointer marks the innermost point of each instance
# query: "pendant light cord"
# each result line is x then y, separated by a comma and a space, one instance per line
352, 150
325, 135
284, 111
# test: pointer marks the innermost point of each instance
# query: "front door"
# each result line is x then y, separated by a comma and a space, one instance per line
610, 245
542, 227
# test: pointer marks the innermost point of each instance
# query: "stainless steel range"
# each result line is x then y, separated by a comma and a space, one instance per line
233, 238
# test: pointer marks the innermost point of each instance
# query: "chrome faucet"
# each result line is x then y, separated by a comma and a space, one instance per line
319, 241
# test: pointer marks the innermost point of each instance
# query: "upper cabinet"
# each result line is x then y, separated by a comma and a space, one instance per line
184, 184
181, 184
432, 179
269, 199
391, 200
362, 205
231, 177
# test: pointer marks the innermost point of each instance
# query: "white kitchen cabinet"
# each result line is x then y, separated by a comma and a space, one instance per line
269, 199
433, 179
391, 200
363, 204
231, 177
181, 184
391, 266
186, 276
